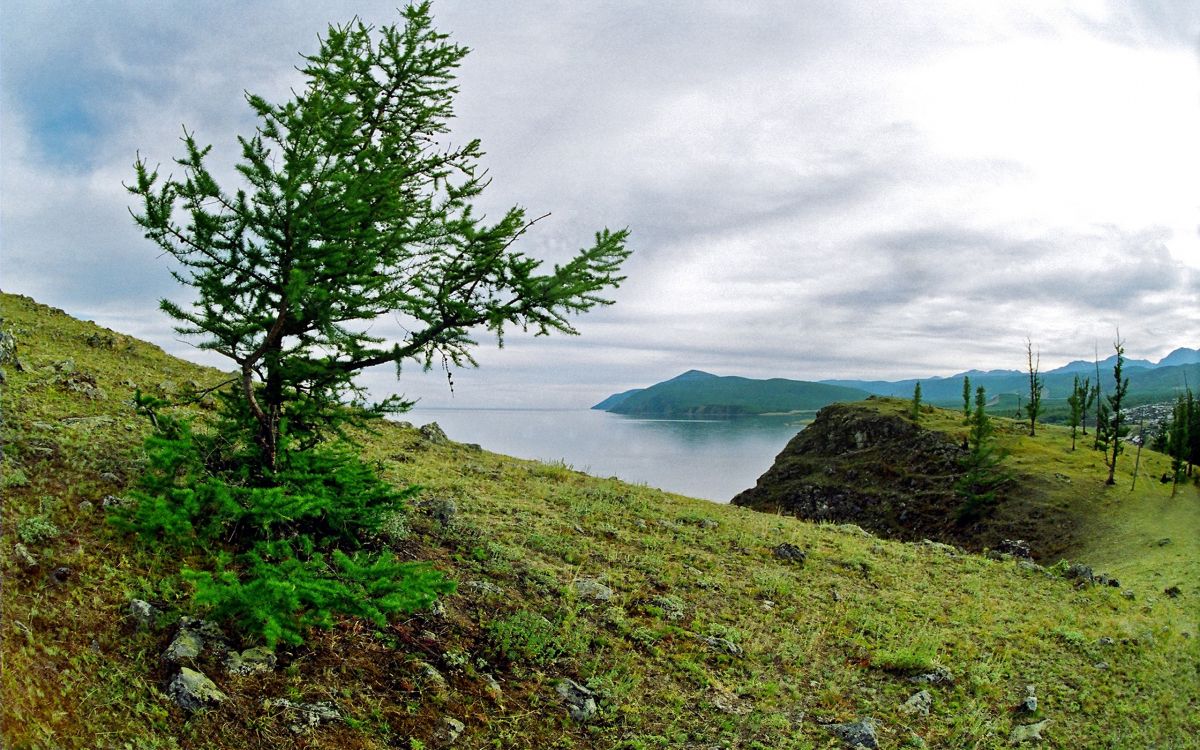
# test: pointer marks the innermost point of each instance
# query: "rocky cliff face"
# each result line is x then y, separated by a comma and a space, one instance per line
858, 463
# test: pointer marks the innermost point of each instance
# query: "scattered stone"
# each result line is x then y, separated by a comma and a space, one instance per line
1105, 641
767, 605
918, 703
1062, 477
1030, 703
209, 631
8, 351
484, 587
1029, 565
639, 523
450, 730
1028, 732
590, 588
1015, 547
1101, 665
187, 645
108, 476
837, 597
67, 366
1128, 594
790, 553
255, 660
722, 644
473, 447
581, 702
143, 613
1172, 591
1105, 580
493, 689
1164, 541
167, 387
23, 557
947, 549
193, 691
938, 676
114, 501
708, 523
60, 575
857, 734
433, 433
1079, 572
432, 680
305, 717
440, 509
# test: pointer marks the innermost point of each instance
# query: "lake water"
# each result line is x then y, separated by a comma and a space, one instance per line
711, 459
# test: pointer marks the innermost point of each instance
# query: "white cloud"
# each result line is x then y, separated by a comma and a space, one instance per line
815, 189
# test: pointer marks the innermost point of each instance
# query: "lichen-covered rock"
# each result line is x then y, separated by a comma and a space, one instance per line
724, 645
918, 703
143, 613
193, 691
1024, 733
581, 702
24, 559
940, 675
590, 588
305, 717
790, 553
433, 433
255, 660
857, 734
185, 645
450, 730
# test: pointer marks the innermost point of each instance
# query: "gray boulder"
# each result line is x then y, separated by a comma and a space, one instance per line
193, 691
938, 676
305, 717
918, 704
23, 557
857, 734
255, 660
433, 433
143, 613
790, 553
581, 702
450, 730
590, 588
1024, 733
186, 645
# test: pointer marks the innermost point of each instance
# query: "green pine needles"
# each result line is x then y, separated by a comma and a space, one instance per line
288, 548
983, 473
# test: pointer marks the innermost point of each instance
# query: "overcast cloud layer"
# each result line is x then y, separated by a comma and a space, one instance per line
815, 189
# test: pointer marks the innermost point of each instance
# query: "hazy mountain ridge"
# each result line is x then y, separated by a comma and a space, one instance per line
700, 394
696, 393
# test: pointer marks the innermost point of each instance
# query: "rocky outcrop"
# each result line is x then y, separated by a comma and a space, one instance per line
865, 464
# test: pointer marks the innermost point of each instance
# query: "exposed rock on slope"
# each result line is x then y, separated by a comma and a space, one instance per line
863, 463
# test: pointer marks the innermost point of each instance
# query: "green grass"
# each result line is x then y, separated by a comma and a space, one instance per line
830, 640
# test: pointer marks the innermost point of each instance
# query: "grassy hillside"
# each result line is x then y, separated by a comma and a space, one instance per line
676, 612
698, 394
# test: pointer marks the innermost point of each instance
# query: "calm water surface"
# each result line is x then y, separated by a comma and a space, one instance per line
712, 459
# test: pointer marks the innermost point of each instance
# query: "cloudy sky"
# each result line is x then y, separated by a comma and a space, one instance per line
815, 189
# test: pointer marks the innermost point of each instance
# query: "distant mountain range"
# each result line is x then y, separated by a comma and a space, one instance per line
697, 394
702, 394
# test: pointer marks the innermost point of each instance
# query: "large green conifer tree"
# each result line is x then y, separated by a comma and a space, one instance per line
352, 206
